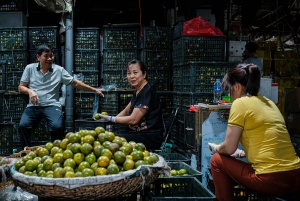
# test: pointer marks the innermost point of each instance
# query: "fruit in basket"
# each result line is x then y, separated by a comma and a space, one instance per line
137, 155
148, 160
55, 165
78, 158
49, 146
128, 164
101, 171
42, 152
140, 146
119, 157
102, 137
138, 163
86, 148
113, 169
56, 143
70, 175
63, 144
99, 130
47, 165
88, 139
19, 164
58, 158
173, 173
59, 172
67, 154
91, 158
182, 171
70, 162
83, 165
87, 172
31, 165
103, 161
113, 147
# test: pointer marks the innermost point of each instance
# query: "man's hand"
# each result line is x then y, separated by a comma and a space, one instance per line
34, 99
238, 154
106, 117
99, 91
213, 147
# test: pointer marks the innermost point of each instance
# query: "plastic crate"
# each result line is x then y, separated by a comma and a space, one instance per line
13, 39
3, 64
89, 124
166, 101
191, 172
159, 79
86, 61
200, 76
178, 29
120, 129
43, 35
11, 5
175, 157
83, 105
124, 38
114, 102
177, 78
156, 37
16, 135
87, 38
198, 48
177, 133
117, 78
91, 79
117, 59
157, 59
40, 133
57, 56
14, 105
6, 138
16, 60
188, 188
13, 80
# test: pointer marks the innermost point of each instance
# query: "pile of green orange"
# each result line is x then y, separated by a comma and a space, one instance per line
85, 153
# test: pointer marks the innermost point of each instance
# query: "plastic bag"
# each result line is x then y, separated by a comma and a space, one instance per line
200, 26
13, 193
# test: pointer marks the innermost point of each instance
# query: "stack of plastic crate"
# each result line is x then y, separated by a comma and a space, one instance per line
87, 69
119, 47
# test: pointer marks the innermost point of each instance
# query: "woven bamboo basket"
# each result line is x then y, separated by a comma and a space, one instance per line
140, 178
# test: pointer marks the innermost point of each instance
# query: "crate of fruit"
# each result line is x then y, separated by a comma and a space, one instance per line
198, 48
119, 37
117, 59
156, 59
180, 169
13, 80
6, 138
14, 104
3, 64
156, 37
178, 188
43, 35
56, 52
16, 60
87, 60
85, 170
87, 38
175, 157
13, 38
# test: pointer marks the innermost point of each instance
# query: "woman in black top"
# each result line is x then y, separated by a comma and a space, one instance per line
143, 113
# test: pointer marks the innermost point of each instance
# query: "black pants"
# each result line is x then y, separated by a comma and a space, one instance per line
32, 116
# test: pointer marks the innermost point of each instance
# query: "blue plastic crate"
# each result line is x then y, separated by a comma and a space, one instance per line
198, 48
156, 37
43, 35
118, 37
13, 38
16, 60
87, 38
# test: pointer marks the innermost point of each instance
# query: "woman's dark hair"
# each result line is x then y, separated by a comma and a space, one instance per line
248, 75
43, 48
141, 65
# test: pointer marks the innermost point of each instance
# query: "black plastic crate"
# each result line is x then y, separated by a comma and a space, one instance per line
16, 60
90, 124
114, 102
11, 5
198, 48
177, 134
156, 37
199, 76
83, 105
156, 59
40, 133
91, 79
14, 105
159, 79
188, 188
175, 157
166, 101
120, 128
87, 38
117, 59
3, 64
6, 138
191, 172
13, 38
117, 78
178, 29
13, 80
43, 35
87, 61
16, 135
56, 52
114, 37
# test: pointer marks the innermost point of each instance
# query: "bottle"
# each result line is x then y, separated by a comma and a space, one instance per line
217, 90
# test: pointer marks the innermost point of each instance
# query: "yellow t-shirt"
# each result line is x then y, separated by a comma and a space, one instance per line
265, 139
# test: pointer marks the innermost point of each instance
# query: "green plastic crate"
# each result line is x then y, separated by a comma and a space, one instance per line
175, 157
190, 171
188, 188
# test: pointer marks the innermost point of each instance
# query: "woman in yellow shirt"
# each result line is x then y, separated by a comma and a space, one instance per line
273, 167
